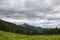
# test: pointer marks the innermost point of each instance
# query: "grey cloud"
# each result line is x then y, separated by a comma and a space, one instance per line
29, 9
56, 2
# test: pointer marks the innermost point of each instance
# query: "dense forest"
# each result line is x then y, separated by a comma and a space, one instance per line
27, 29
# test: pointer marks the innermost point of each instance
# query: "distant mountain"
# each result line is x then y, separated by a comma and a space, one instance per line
24, 28
27, 25
38, 29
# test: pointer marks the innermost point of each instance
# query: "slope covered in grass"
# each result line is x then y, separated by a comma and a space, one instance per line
13, 36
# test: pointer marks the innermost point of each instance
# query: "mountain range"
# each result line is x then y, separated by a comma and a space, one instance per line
24, 28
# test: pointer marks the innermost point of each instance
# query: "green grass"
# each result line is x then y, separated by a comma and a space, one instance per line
13, 36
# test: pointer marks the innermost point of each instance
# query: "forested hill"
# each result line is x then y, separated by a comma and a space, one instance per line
7, 26
26, 29
22, 29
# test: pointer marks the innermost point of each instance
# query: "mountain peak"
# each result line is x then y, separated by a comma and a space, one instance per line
25, 24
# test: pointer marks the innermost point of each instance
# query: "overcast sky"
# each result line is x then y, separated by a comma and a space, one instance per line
44, 13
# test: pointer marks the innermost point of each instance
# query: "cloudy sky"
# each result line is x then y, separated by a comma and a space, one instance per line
44, 13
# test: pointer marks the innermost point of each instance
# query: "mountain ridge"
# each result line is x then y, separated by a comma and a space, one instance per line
24, 28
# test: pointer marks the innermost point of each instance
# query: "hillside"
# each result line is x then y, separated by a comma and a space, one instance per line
27, 29
21, 29
13, 36
7, 26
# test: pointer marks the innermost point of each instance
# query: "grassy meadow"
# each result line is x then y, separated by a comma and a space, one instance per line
13, 36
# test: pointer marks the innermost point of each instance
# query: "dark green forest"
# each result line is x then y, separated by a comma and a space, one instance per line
27, 29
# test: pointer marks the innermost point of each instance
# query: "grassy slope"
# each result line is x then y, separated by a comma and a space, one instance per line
12, 36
